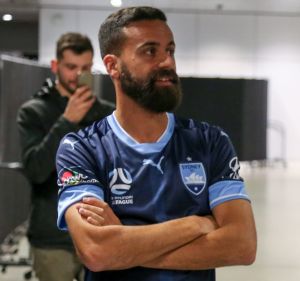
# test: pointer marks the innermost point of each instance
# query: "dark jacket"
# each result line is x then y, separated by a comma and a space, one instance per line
41, 127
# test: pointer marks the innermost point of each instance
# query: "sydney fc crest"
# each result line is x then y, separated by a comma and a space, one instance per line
193, 176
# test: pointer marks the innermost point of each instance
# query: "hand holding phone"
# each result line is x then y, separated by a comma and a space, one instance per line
80, 101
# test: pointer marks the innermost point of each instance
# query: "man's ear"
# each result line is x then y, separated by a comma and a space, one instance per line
54, 66
111, 64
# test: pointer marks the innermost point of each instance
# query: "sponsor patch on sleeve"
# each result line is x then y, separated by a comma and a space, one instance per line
73, 176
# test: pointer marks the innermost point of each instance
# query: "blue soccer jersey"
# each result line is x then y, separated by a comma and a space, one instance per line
191, 169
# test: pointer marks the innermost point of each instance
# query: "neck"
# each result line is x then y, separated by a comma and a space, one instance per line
140, 124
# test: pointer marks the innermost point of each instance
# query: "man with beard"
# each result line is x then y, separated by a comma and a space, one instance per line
58, 108
147, 195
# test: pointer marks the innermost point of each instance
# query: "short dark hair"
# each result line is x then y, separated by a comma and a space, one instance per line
111, 35
76, 42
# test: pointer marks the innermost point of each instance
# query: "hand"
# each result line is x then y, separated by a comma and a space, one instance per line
97, 212
79, 104
208, 224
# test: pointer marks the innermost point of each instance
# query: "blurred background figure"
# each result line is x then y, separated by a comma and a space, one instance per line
59, 107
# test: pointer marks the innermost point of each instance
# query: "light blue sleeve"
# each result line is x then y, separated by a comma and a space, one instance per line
226, 190
72, 195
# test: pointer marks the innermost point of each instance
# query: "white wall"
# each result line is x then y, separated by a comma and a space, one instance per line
215, 45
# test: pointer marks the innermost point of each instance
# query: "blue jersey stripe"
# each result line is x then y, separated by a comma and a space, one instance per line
226, 190
73, 195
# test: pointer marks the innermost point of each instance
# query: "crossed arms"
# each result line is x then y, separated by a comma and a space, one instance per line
189, 243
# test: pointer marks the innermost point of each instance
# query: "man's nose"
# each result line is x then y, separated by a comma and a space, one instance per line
167, 61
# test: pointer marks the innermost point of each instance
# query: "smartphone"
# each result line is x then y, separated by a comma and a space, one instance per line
85, 78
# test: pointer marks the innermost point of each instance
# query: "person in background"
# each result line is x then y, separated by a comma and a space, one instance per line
59, 107
145, 194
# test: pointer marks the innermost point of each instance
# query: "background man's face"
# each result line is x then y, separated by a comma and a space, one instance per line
70, 66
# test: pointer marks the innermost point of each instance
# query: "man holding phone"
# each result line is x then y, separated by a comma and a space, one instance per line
59, 107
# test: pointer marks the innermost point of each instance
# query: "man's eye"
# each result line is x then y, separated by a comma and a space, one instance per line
151, 51
70, 67
171, 52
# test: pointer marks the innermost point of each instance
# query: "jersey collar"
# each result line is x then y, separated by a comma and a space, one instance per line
142, 147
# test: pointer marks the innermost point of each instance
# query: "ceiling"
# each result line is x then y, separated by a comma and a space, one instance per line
27, 10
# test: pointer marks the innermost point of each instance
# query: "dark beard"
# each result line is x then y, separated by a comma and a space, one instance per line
148, 95
64, 84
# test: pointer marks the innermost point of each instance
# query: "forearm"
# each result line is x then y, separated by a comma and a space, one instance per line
217, 249
234, 243
120, 247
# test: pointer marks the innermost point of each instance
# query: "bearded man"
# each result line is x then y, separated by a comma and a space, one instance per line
147, 195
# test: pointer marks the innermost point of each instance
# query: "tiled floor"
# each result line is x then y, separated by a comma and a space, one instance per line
275, 193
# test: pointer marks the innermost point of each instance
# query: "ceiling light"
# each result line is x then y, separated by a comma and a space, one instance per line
7, 17
116, 3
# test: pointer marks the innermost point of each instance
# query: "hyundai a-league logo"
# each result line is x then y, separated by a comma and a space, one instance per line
120, 181
193, 176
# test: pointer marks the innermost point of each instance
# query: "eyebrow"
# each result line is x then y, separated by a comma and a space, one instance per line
154, 43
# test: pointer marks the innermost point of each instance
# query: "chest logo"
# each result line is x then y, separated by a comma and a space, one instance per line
158, 165
120, 181
193, 177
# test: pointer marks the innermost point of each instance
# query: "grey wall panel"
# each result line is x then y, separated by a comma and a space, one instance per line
20, 79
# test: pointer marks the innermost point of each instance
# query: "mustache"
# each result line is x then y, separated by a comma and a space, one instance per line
165, 73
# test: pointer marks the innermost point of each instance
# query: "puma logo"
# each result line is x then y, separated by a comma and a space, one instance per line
72, 143
158, 165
